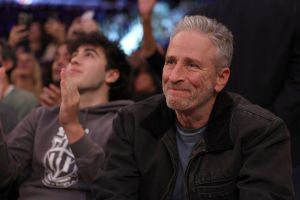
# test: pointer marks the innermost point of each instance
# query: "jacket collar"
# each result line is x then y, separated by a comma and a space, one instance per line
217, 133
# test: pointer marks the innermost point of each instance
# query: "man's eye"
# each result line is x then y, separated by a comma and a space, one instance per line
168, 62
193, 65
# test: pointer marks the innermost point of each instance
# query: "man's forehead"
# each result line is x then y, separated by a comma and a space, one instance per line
90, 47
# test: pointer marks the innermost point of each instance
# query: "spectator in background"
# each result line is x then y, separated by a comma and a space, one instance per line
266, 61
36, 40
27, 74
8, 116
150, 49
83, 24
51, 95
22, 101
56, 29
145, 81
63, 146
197, 141
29, 38
147, 61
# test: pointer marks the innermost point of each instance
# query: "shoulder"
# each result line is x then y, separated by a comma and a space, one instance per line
144, 108
255, 121
246, 109
147, 104
44, 113
23, 95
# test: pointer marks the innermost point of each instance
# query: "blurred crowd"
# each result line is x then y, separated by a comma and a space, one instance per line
34, 54
38, 52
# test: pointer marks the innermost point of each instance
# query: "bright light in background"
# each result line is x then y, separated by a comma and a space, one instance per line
25, 2
131, 40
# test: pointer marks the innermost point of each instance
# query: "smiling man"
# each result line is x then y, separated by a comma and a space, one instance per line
197, 141
62, 147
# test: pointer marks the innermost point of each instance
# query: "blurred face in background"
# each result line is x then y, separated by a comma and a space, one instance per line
26, 64
144, 83
35, 32
55, 28
61, 60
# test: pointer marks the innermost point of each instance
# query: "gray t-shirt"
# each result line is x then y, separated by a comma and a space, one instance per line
186, 140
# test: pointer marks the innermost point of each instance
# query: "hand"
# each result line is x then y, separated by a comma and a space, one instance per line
2, 82
69, 108
146, 7
17, 34
82, 25
51, 96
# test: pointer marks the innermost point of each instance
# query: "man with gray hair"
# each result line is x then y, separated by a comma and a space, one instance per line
197, 141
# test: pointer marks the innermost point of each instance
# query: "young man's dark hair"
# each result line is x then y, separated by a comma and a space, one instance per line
116, 59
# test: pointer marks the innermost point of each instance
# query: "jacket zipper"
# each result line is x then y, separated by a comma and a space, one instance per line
175, 173
187, 171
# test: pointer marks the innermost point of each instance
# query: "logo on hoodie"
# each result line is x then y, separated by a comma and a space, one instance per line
59, 162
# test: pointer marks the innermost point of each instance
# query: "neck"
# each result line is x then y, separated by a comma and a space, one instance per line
94, 98
195, 118
35, 46
24, 82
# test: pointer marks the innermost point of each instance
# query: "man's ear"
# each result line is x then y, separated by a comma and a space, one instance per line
222, 78
111, 75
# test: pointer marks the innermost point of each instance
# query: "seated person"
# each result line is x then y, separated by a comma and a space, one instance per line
62, 147
20, 100
197, 141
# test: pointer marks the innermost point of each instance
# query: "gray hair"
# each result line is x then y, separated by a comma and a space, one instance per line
220, 36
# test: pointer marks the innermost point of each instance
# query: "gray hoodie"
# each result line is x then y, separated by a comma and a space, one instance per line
57, 170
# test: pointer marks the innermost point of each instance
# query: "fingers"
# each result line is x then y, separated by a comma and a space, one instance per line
2, 73
2, 82
146, 7
17, 34
54, 91
51, 96
69, 92
46, 100
69, 100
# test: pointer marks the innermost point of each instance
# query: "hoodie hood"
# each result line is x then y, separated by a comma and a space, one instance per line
102, 111
112, 106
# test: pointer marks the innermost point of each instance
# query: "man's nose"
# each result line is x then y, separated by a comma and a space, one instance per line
75, 60
177, 73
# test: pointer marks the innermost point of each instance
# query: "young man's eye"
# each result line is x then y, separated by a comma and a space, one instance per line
73, 55
89, 54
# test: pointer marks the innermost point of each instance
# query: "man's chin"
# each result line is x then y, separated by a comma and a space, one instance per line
176, 103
